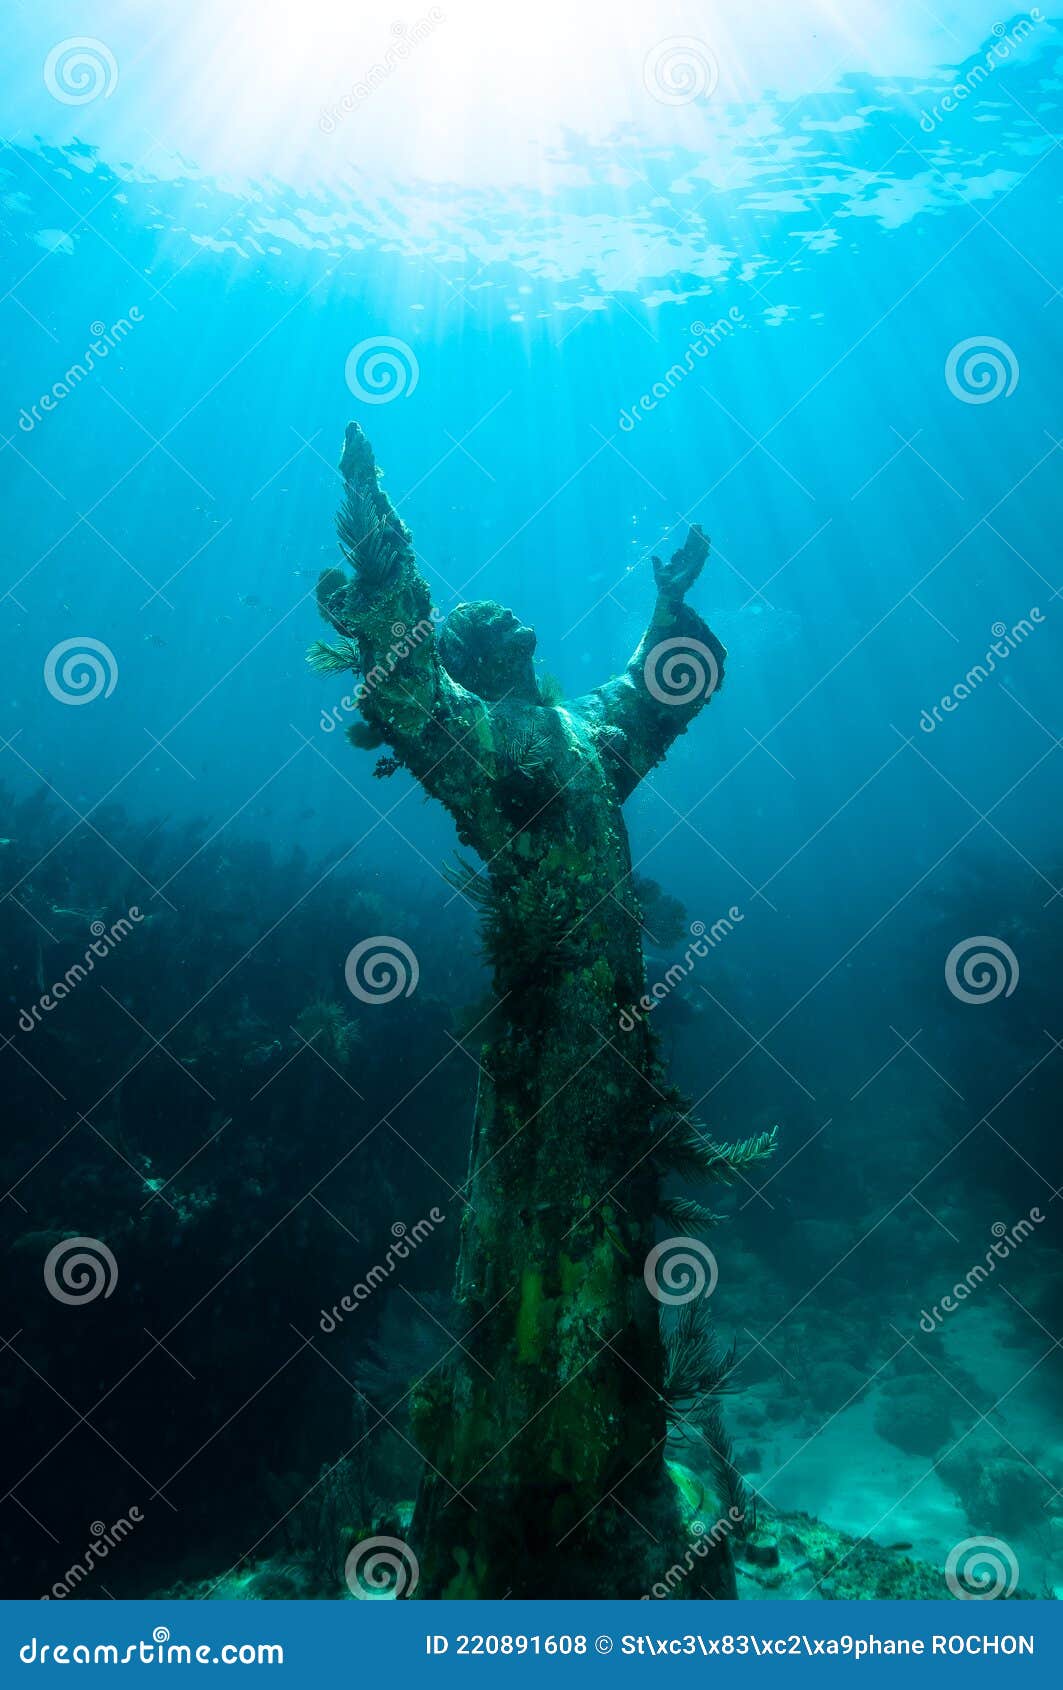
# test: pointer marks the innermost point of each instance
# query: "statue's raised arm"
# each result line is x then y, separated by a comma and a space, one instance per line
672, 675
387, 627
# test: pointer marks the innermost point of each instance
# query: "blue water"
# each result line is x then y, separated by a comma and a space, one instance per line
877, 517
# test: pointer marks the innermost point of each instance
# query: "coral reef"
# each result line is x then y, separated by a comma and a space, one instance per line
193, 1167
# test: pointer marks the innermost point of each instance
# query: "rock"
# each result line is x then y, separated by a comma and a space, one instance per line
761, 1552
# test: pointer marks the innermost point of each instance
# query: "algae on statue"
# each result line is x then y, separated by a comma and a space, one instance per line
544, 1433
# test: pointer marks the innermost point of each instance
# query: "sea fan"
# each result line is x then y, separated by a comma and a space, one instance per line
370, 542
326, 659
523, 751
695, 1367
687, 1217
664, 920
468, 880
525, 925
551, 692
714, 1441
694, 1156
325, 1026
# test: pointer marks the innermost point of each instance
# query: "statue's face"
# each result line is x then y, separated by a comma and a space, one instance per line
515, 637
487, 649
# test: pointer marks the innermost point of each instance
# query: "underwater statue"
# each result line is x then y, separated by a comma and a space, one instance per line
543, 1434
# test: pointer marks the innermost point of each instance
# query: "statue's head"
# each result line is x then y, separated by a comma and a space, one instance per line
489, 651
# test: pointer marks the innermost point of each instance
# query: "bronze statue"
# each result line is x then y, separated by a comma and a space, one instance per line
544, 1434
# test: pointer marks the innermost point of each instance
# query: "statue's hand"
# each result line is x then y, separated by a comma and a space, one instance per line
357, 464
677, 576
